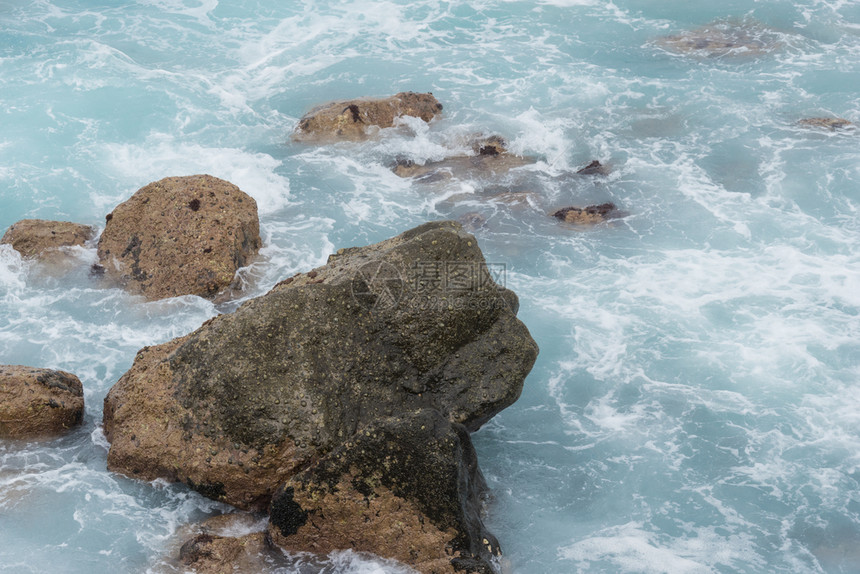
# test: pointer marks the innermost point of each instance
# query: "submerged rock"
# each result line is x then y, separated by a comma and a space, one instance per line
490, 158
46, 240
350, 120
180, 236
335, 357
724, 38
831, 124
594, 168
472, 220
37, 402
588, 215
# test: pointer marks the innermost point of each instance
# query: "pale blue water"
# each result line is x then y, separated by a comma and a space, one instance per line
696, 404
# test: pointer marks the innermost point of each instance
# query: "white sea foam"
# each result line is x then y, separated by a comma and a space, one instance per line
631, 549
162, 155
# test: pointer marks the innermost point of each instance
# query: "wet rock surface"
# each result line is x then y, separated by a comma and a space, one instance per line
180, 236
356, 119
588, 215
36, 402
43, 239
594, 168
407, 488
399, 339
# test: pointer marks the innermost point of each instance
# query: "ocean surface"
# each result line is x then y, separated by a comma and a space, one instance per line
696, 404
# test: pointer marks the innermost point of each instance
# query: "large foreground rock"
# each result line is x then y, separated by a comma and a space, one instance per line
180, 236
409, 339
38, 402
44, 239
356, 119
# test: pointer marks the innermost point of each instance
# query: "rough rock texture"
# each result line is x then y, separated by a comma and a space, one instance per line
213, 554
350, 120
732, 38
254, 398
40, 238
406, 487
38, 402
234, 542
831, 124
588, 215
180, 236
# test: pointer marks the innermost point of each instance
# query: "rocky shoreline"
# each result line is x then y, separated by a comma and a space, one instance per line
341, 402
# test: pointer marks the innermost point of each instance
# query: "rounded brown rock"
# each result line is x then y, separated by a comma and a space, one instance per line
37, 238
180, 236
36, 402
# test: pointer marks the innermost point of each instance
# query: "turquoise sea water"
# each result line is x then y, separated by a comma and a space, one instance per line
696, 404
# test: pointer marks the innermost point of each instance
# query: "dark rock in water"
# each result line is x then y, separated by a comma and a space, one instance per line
588, 215
594, 168
724, 38
38, 402
407, 487
180, 236
831, 124
46, 240
493, 145
385, 357
350, 120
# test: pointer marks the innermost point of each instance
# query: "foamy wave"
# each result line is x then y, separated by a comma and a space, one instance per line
162, 156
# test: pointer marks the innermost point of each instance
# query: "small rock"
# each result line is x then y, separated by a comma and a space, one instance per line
831, 124
594, 168
37, 402
493, 145
44, 239
588, 215
212, 554
350, 120
180, 236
